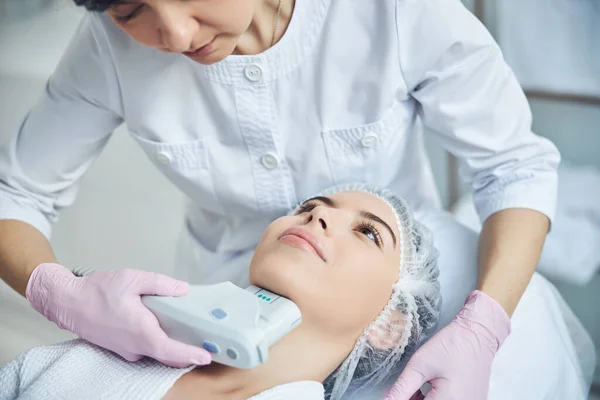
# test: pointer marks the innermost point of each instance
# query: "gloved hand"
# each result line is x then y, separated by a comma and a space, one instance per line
457, 361
105, 308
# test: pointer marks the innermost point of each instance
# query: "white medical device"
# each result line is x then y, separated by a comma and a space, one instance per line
237, 326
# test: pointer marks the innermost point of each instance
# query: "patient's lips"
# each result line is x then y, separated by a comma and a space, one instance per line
304, 240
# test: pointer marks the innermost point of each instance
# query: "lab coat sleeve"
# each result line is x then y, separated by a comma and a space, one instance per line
470, 99
62, 134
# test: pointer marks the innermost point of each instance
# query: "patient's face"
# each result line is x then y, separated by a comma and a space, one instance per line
335, 258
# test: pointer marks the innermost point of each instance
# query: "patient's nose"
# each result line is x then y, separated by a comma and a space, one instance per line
320, 221
319, 215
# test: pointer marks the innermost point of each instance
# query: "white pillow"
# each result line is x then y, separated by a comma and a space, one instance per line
457, 261
548, 351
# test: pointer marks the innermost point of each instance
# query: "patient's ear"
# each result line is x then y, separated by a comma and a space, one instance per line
389, 335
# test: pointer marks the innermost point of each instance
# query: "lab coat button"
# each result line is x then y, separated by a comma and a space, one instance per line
270, 161
164, 158
369, 140
253, 72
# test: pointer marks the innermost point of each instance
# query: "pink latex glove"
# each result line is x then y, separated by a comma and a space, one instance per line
105, 308
457, 361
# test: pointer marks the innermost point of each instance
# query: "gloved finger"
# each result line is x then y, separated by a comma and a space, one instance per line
131, 357
162, 285
180, 355
410, 380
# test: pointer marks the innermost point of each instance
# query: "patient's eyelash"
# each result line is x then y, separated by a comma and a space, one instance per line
306, 207
370, 228
126, 18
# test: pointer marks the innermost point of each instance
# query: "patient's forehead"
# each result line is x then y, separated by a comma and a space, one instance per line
358, 200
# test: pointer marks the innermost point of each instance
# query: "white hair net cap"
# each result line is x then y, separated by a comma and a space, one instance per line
408, 318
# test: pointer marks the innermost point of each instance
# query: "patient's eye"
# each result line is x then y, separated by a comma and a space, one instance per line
125, 16
370, 232
306, 207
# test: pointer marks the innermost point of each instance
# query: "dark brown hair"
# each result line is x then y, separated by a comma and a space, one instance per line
96, 5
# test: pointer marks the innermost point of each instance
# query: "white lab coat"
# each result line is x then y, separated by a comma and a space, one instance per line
334, 101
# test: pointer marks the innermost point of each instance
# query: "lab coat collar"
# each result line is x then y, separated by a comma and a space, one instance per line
298, 41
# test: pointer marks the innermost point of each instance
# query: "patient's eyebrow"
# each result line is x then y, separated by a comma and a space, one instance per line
363, 213
375, 218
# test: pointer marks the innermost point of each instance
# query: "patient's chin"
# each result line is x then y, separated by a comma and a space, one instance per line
272, 274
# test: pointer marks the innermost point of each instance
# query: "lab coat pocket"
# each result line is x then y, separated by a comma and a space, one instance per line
186, 164
360, 154
183, 158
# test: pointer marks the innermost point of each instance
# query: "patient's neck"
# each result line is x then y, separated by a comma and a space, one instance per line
304, 354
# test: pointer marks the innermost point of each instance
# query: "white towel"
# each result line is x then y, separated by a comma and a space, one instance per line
76, 370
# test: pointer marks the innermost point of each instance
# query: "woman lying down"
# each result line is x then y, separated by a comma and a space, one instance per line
368, 295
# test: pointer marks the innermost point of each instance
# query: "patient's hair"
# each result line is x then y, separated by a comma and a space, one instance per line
96, 5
